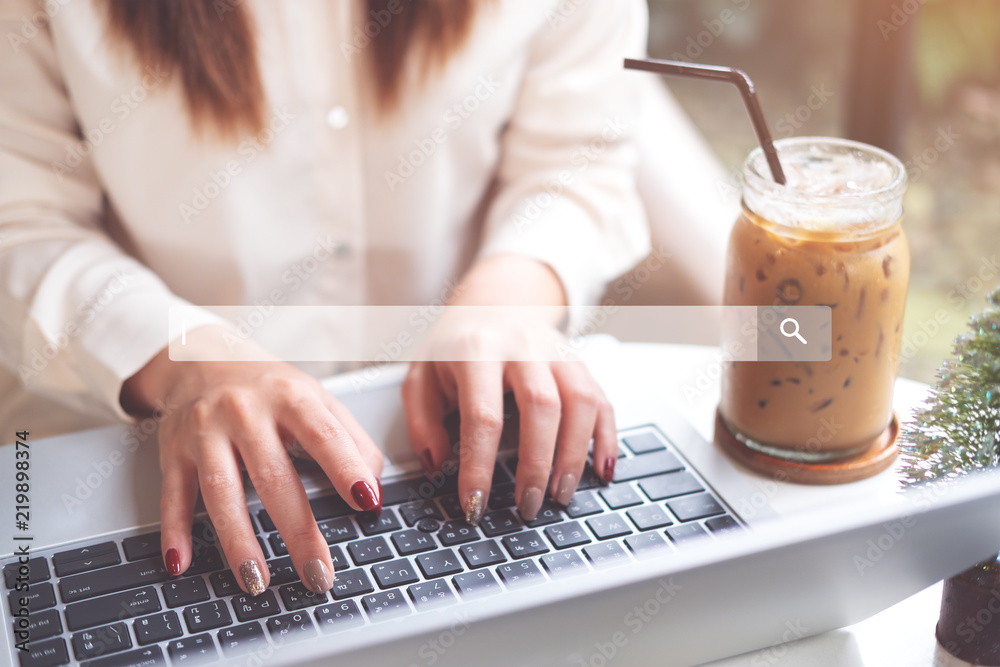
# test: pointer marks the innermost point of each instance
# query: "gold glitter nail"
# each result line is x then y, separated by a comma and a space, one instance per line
252, 577
474, 507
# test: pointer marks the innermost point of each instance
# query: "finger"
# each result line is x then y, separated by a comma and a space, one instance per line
580, 397
369, 451
538, 403
329, 442
177, 500
605, 440
280, 490
422, 401
480, 404
222, 491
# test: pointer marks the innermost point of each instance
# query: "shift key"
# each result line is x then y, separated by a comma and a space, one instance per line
112, 579
644, 465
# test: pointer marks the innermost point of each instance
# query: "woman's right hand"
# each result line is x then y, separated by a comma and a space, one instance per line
225, 414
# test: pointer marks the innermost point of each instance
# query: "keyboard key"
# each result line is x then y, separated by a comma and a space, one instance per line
564, 564
428, 525
157, 628
291, 627
141, 546
224, 584
499, 523
431, 594
607, 526
45, 654
522, 545
350, 583
670, 484
339, 616
265, 522
476, 584
297, 596
501, 497
520, 574
420, 488
439, 563
481, 554
112, 579
641, 443
41, 596
394, 573
101, 641
242, 639
648, 517
340, 561
457, 532
646, 465
565, 535
606, 554
695, 507
263, 547
376, 525
182, 592
414, 512
371, 550
335, 531
452, 507
548, 513
282, 571
412, 541
250, 608
66, 568
151, 656
116, 607
204, 560
36, 571
685, 533
203, 535
619, 496
277, 545
195, 650
83, 553
385, 605
721, 524
584, 503
207, 616
645, 545
329, 507
43, 625
589, 479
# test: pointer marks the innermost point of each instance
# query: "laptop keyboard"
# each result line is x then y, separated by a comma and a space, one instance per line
111, 603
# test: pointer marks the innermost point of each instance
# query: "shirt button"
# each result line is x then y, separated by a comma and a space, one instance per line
338, 118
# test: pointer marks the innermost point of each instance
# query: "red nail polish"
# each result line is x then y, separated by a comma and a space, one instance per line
173, 562
364, 496
428, 461
609, 468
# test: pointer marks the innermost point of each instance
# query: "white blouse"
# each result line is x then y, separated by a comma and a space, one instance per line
112, 209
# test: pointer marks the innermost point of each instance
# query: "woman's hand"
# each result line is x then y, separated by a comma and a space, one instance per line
233, 414
561, 406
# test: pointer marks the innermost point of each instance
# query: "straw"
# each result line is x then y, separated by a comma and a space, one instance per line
734, 76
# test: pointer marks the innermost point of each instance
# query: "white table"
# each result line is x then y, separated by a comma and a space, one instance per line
900, 636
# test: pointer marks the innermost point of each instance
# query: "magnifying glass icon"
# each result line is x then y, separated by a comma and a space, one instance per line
794, 333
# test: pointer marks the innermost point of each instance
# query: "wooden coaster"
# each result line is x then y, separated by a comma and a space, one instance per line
873, 460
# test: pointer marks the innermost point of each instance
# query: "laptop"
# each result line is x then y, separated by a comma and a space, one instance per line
666, 565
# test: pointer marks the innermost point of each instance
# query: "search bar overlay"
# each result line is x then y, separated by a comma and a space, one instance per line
382, 334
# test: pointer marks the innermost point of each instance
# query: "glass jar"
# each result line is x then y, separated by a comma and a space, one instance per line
831, 236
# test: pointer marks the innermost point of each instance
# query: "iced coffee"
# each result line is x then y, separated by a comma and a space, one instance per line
831, 236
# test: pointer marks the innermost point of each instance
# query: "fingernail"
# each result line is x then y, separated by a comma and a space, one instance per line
530, 503
364, 496
475, 505
252, 577
318, 576
428, 461
609, 469
566, 489
173, 562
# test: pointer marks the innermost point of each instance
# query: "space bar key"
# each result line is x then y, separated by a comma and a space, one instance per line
644, 465
112, 579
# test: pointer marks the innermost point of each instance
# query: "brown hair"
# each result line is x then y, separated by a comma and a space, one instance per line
210, 45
